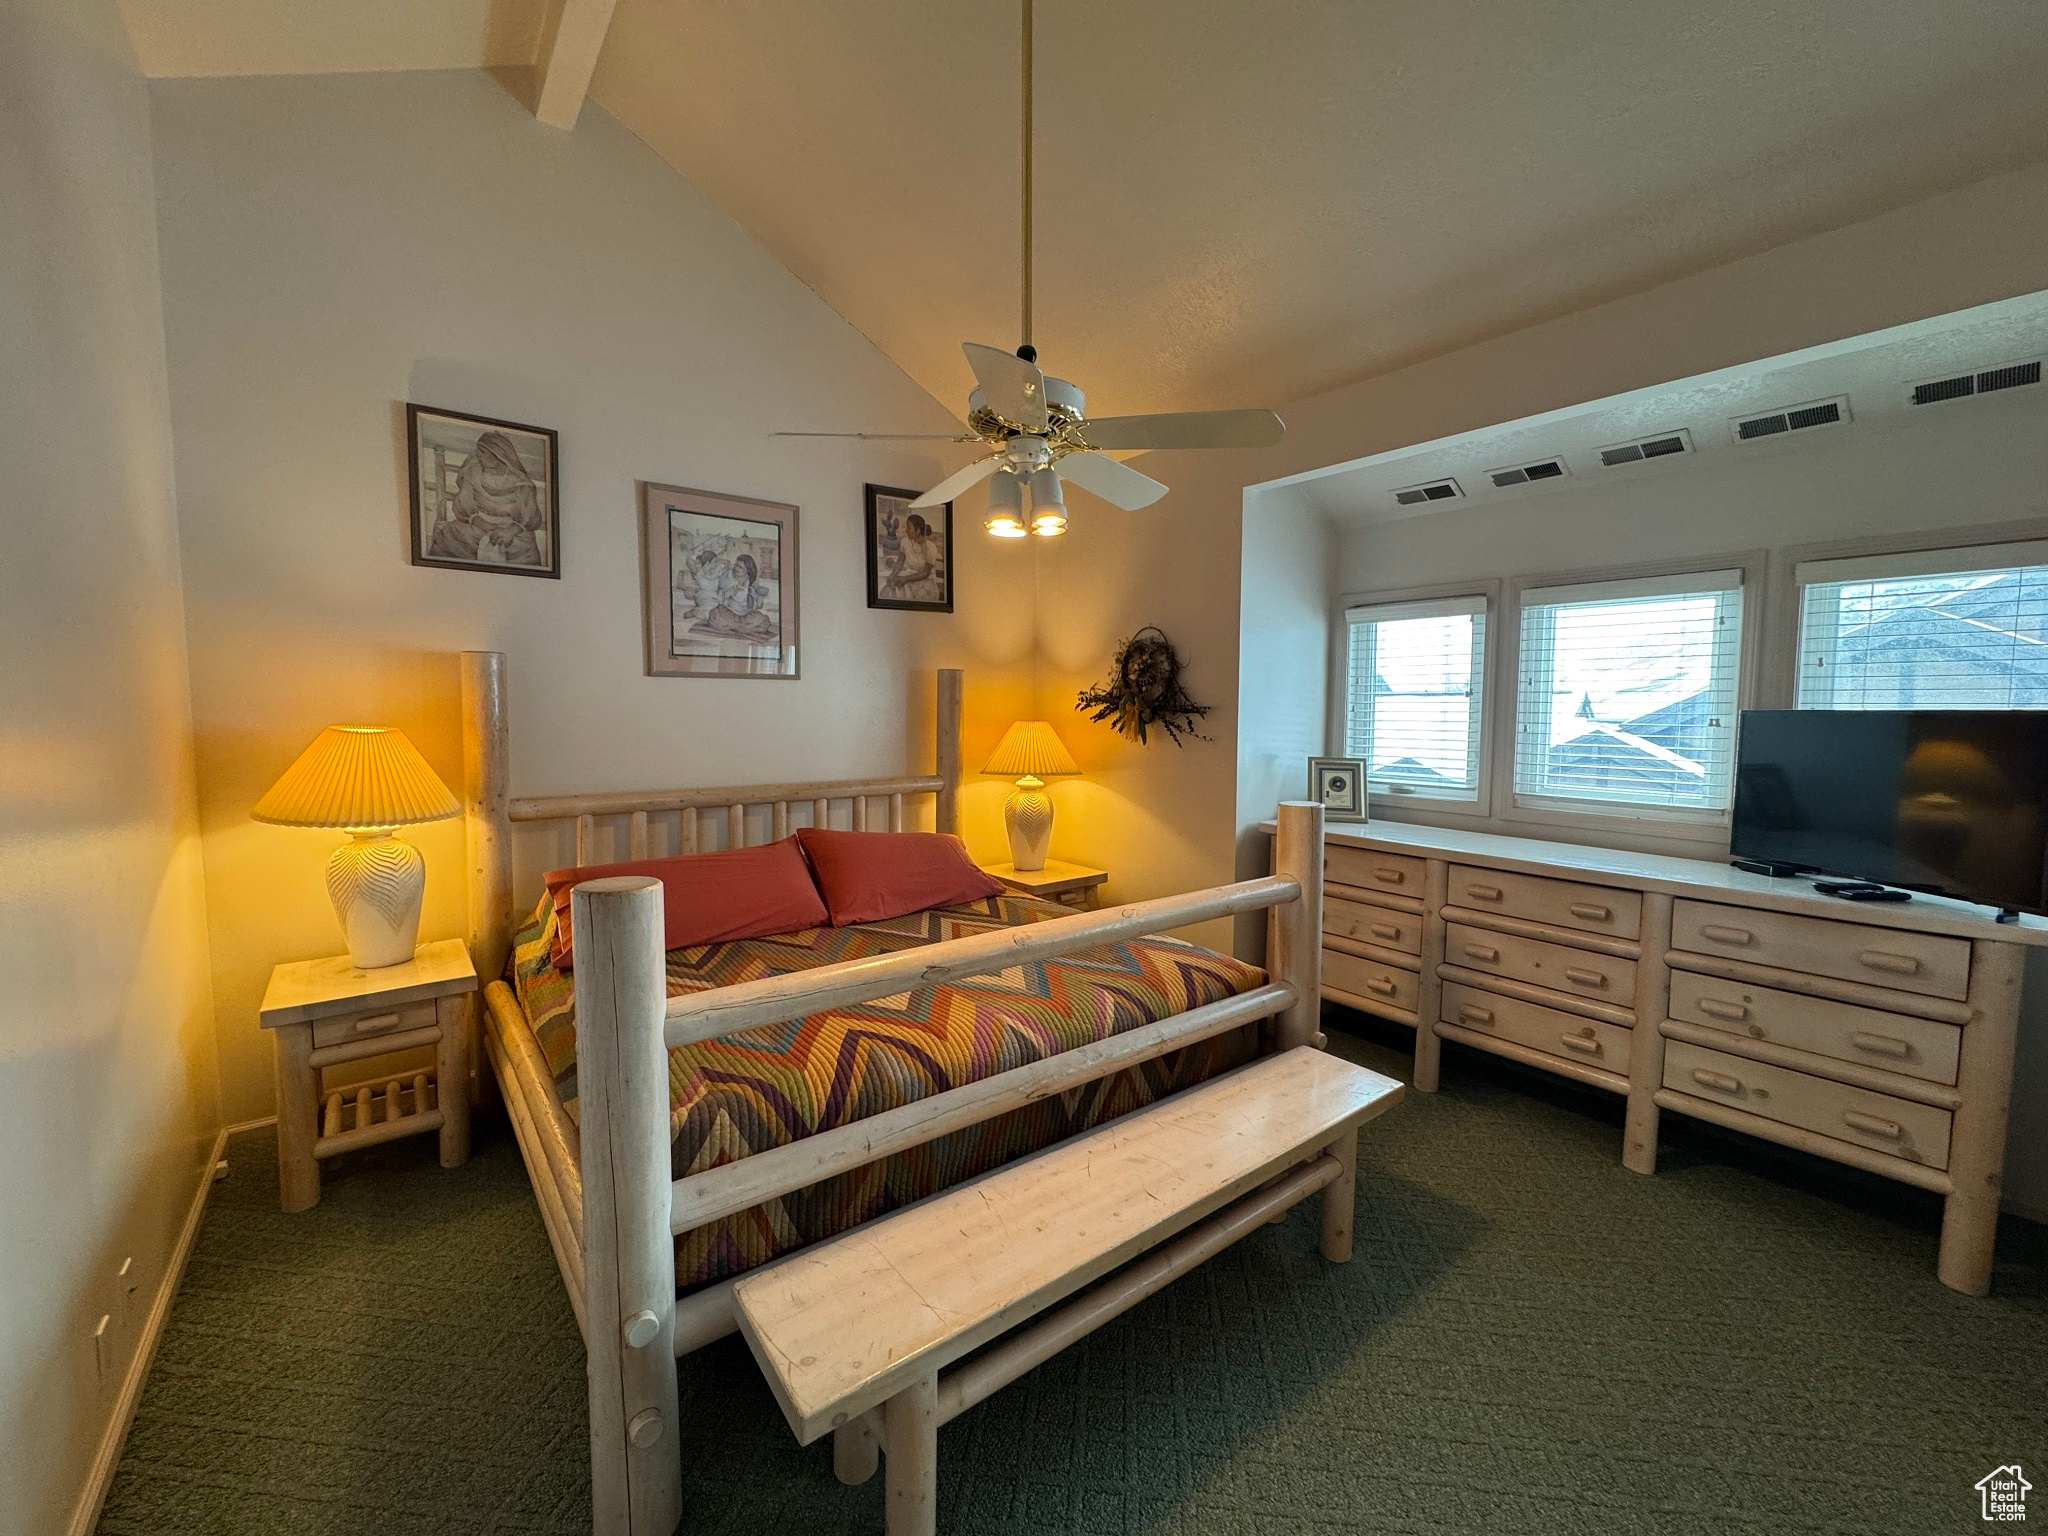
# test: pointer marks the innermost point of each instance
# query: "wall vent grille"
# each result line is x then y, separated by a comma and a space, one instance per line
1522, 474
1661, 445
1434, 490
1793, 418
1978, 381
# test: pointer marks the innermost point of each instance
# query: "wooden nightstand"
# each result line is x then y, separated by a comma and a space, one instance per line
327, 1013
1073, 885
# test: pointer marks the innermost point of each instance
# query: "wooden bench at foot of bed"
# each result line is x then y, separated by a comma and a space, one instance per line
858, 1327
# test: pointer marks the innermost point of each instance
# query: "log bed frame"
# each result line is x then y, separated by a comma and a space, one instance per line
610, 1205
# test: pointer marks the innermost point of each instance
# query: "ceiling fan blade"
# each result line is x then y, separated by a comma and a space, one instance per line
1117, 484
889, 437
1186, 429
1014, 389
954, 484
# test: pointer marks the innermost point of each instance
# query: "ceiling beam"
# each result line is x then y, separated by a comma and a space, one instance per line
568, 58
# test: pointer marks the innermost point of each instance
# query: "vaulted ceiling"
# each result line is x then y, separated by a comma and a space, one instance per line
1242, 203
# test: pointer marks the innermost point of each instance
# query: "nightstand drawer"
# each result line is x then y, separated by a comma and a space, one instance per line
1395, 873
1931, 964
1550, 1030
1893, 1042
1560, 903
1370, 980
1373, 925
1917, 1133
385, 1021
1541, 963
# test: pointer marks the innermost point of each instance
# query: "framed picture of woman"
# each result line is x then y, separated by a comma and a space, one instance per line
910, 553
486, 495
721, 584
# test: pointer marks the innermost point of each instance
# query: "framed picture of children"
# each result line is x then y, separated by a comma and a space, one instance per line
486, 495
910, 553
721, 584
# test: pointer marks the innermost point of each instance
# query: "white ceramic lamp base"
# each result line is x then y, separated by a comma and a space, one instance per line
376, 883
1027, 817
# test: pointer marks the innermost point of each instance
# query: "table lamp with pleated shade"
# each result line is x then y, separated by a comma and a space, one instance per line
1030, 753
366, 780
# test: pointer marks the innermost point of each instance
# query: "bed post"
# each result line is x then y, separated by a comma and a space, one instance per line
947, 818
1295, 950
486, 796
636, 1468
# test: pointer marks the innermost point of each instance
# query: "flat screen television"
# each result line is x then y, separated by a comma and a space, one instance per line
1952, 802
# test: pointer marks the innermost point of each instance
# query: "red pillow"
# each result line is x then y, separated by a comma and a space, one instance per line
706, 897
867, 876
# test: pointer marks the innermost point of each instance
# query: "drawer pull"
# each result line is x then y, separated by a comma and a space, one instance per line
1720, 1081
1484, 952
1379, 985
1472, 1013
1384, 931
1722, 933
376, 1021
1718, 1008
1584, 977
1881, 1045
1591, 911
1483, 892
1584, 1041
1871, 1125
1391, 876
1885, 960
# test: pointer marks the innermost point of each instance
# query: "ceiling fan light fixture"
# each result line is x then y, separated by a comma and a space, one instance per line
1005, 506
1048, 503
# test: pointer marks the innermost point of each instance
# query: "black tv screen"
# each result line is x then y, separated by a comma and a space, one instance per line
1953, 802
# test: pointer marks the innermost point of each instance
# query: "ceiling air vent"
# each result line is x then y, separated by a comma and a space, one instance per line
1522, 474
1435, 490
1981, 381
1663, 445
1794, 418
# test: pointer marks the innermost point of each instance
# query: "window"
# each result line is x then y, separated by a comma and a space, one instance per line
1947, 629
1628, 694
1414, 707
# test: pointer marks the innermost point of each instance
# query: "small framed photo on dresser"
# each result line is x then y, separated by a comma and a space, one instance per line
910, 552
1338, 785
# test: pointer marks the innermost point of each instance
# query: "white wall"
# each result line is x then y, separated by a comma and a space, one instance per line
108, 1096
336, 246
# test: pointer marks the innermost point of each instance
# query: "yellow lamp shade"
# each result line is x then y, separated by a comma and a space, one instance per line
357, 776
1029, 749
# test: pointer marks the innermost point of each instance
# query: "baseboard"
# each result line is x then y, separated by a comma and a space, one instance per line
100, 1475
260, 1123
2026, 1210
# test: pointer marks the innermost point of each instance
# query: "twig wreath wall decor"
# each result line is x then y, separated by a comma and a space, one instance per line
1144, 690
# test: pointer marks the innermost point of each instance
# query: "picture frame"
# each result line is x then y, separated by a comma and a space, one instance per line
910, 553
720, 588
486, 495
1338, 785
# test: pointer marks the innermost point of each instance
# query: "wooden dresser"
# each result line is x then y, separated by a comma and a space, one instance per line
1879, 1035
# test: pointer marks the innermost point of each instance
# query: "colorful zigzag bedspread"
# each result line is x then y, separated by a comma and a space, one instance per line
767, 1087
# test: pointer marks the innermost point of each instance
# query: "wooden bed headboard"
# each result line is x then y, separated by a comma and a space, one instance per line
490, 809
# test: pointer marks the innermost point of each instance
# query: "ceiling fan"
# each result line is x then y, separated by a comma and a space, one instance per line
1037, 430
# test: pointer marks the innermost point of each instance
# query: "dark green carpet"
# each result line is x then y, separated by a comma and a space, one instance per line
1531, 1340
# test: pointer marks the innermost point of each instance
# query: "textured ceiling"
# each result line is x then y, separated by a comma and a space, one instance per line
1244, 203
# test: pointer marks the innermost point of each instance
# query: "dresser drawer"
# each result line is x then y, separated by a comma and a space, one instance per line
1370, 980
1561, 903
1396, 873
385, 1021
1373, 925
1879, 957
1878, 1121
1892, 1042
1557, 966
1550, 1030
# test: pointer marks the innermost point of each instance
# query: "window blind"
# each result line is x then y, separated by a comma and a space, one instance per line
1944, 629
1414, 681
1627, 694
